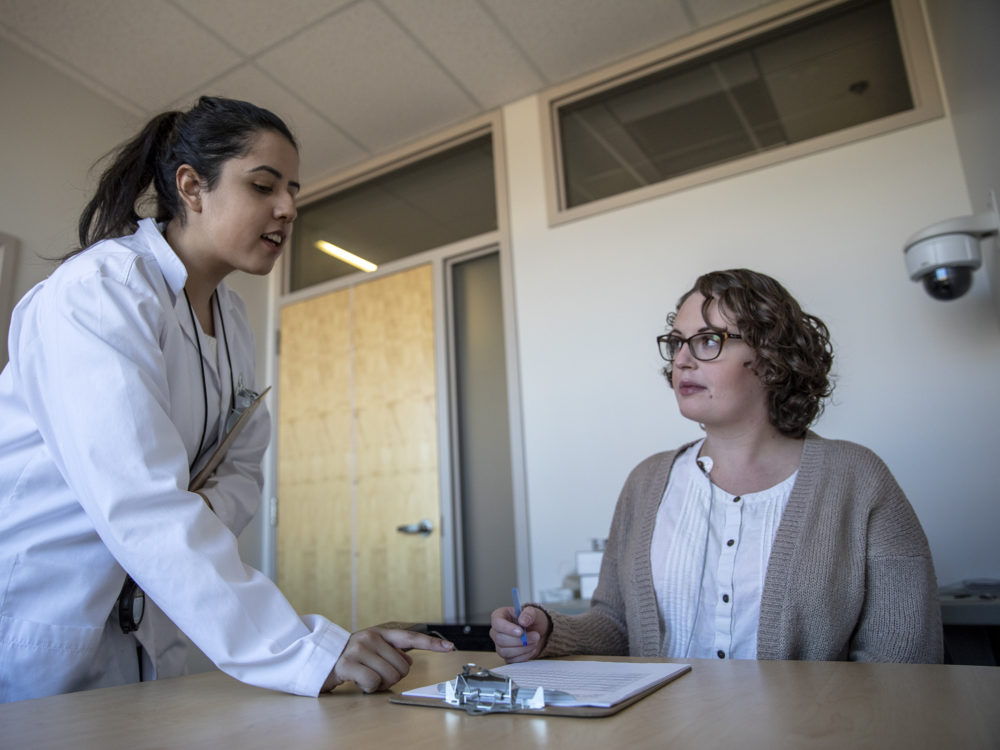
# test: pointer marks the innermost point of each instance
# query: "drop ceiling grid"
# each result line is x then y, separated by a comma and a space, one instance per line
565, 38
707, 12
252, 26
379, 93
355, 77
477, 51
124, 50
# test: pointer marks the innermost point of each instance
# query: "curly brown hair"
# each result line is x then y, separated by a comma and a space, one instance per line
792, 348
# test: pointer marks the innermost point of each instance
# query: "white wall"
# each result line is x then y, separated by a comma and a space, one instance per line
53, 132
965, 33
917, 379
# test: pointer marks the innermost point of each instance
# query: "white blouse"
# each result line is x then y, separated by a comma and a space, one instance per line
709, 574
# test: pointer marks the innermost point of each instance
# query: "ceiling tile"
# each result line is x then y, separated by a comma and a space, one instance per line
708, 12
566, 38
475, 50
370, 78
146, 51
253, 25
322, 147
355, 78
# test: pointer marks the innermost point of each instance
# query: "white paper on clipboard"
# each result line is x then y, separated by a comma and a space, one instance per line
602, 684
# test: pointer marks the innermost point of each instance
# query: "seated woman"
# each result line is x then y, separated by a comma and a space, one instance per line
761, 540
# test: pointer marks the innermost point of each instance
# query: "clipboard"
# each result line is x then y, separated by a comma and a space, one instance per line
219, 453
504, 694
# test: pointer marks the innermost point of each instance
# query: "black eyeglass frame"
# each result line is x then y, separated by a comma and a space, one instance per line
663, 340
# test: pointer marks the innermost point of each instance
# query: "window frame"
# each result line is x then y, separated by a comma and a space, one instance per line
917, 59
386, 164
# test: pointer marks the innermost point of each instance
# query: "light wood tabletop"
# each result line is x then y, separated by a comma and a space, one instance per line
718, 704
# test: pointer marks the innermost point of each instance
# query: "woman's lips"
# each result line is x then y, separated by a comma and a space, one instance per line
687, 388
275, 239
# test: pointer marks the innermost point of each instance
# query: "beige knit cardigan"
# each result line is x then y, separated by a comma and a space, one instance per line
850, 575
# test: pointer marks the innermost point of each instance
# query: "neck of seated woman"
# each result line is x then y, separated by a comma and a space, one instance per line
752, 461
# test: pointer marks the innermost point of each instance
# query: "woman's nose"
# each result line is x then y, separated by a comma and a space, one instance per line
683, 358
286, 209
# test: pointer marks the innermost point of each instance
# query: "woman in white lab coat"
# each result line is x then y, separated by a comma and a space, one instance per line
127, 366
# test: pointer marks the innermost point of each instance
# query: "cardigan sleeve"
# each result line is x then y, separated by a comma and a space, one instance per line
623, 617
602, 629
900, 618
850, 575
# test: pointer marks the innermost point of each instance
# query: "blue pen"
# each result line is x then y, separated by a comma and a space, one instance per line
517, 615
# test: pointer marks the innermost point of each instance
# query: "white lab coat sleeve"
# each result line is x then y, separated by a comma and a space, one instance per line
95, 378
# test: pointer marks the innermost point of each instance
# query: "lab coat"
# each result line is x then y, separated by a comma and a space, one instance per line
101, 412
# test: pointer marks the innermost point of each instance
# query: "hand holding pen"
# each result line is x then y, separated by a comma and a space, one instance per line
517, 613
519, 637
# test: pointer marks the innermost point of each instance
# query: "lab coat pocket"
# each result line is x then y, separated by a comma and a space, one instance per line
75, 586
54, 637
40, 659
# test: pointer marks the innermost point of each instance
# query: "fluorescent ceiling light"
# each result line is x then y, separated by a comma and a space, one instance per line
341, 254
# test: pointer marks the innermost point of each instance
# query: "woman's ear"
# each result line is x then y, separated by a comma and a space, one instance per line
189, 187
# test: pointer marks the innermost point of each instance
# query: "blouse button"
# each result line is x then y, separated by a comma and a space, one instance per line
731, 542
737, 499
721, 654
725, 598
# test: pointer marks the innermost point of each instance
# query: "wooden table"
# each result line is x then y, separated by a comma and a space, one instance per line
719, 704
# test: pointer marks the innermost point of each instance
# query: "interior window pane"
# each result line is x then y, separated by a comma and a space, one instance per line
826, 73
441, 199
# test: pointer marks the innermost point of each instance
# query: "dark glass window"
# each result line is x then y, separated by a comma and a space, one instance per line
828, 72
440, 199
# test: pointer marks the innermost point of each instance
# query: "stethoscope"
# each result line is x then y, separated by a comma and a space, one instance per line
132, 600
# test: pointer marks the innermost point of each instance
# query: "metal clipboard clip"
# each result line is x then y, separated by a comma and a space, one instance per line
480, 691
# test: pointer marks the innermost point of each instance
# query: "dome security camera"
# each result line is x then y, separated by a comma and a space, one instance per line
944, 264
944, 255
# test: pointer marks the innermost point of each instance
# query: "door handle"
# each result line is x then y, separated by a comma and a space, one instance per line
424, 528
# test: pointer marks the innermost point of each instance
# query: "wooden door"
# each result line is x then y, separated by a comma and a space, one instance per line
315, 481
357, 456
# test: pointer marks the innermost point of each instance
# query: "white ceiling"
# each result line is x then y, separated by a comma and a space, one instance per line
353, 78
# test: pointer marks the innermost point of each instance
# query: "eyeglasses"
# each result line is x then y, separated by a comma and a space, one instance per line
704, 346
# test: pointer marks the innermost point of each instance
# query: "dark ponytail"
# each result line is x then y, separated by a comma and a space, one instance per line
205, 137
112, 210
